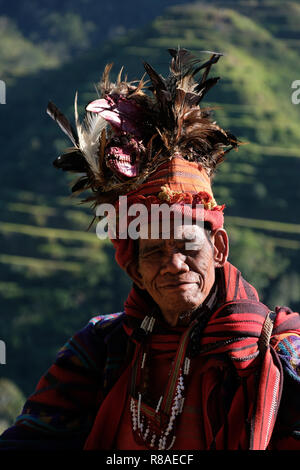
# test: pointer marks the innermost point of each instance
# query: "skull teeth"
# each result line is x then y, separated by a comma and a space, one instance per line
130, 159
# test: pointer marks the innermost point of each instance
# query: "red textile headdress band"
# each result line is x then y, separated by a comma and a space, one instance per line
177, 182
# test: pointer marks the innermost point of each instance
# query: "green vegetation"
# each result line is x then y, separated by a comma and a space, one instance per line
11, 402
18, 55
55, 274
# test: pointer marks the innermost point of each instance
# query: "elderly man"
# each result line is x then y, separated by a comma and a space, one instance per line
195, 360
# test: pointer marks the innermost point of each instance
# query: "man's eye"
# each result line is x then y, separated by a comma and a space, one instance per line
155, 251
151, 253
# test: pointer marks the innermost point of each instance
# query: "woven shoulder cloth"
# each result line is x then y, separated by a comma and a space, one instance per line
242, 329
60, 412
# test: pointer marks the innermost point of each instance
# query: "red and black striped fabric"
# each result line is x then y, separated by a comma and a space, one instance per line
90, 375
230, 339
234, 329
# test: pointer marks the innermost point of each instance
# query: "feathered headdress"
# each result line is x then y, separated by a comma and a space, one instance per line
128, 132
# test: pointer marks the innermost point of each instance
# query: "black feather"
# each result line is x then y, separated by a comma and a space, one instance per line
81, 184
71, 161
157, 80
163, 95
207, 65
62, 121
203, 88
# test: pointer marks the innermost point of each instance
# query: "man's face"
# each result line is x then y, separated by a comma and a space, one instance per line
179, 272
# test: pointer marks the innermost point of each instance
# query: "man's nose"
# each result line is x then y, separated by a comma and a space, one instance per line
174, 263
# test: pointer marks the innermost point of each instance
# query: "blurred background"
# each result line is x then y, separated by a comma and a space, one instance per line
54, 274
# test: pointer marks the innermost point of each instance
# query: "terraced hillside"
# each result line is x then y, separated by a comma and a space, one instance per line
280, 18
54, 274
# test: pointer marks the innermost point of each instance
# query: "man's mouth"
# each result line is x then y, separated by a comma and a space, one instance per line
180, 284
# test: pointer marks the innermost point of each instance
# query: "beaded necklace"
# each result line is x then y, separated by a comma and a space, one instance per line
155, 426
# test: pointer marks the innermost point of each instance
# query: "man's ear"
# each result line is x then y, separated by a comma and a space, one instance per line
221, 247
133, 271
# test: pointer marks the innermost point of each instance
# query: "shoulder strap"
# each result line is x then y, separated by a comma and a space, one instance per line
266, 332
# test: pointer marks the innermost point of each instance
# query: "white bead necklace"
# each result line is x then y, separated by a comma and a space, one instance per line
140, 421
145, 424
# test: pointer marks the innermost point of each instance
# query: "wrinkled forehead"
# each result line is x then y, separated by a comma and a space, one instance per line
173, 231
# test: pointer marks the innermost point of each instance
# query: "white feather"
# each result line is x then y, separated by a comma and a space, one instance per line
89, 133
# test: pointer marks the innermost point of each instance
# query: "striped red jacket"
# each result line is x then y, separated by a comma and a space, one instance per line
64, 410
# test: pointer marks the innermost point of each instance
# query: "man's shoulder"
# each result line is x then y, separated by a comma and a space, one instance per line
105, 325
287, 347
87, 346
286, 340
100, 324
104, 321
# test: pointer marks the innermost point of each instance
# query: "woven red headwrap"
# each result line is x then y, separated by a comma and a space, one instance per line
176, 182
